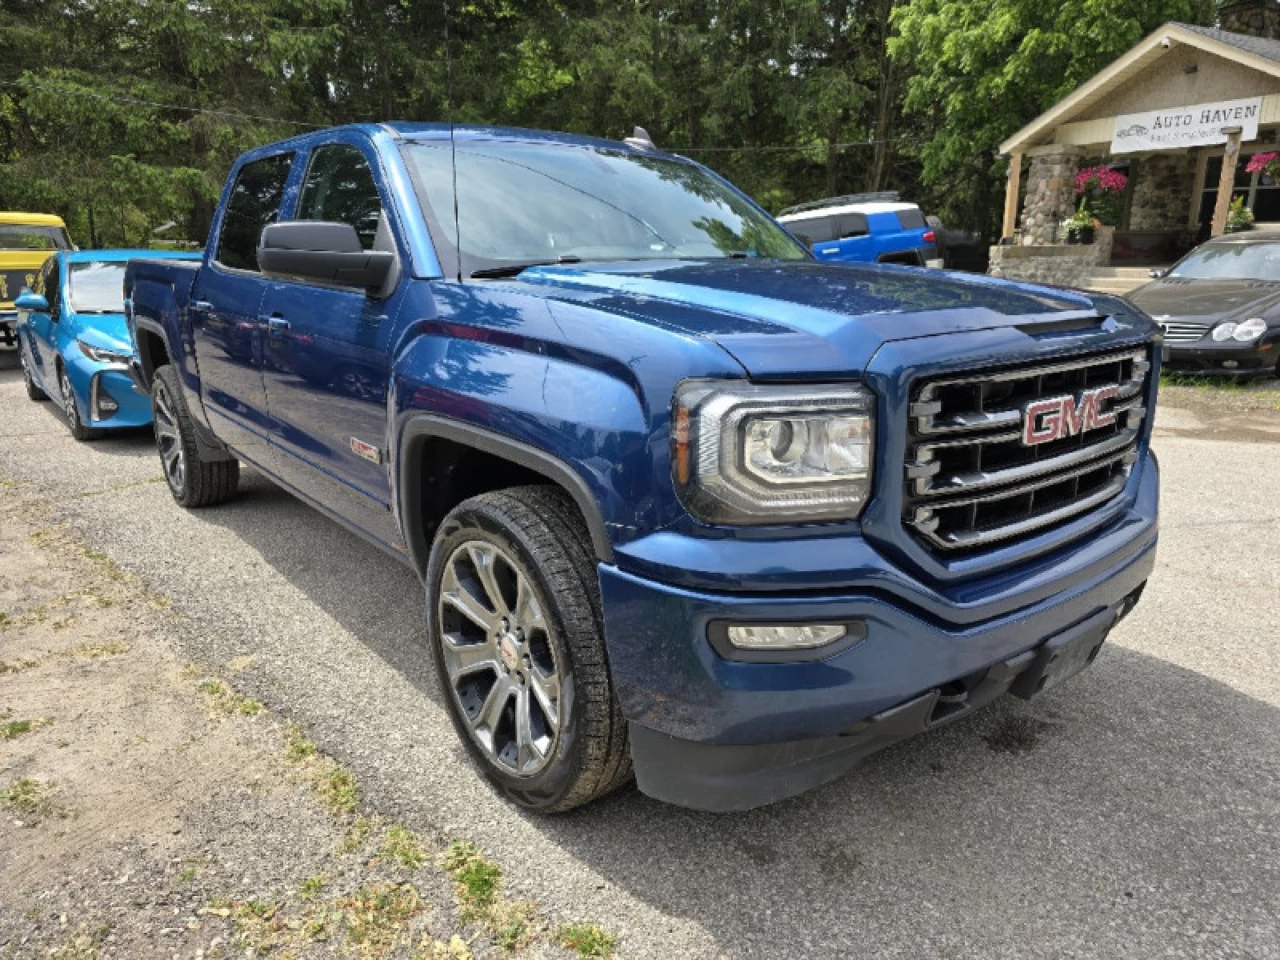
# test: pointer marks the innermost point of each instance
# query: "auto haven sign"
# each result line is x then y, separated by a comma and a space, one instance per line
1197, 126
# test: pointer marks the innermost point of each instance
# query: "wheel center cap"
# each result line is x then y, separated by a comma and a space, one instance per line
507, 649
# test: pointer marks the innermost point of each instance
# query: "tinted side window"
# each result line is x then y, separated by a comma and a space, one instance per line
339, 187
853, 225
816, 230
254, 202
911, 219
53, 287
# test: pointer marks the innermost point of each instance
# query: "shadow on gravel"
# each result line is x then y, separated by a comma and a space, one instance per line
1086, 821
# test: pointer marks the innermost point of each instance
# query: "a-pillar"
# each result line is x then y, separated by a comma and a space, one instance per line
1051, 191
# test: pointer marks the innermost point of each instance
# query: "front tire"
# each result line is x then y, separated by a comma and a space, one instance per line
195, 481
71, 408
517, 637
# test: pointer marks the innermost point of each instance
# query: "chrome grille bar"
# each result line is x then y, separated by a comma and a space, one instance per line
1181, 331
972, 480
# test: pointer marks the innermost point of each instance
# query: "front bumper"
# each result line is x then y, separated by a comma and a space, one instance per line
716, 734
1228, 359
100, 386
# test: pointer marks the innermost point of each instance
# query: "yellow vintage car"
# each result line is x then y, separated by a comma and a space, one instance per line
27, 240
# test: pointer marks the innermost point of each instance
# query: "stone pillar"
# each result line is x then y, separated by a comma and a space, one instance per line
1051, 191
1162, 192
1257, 18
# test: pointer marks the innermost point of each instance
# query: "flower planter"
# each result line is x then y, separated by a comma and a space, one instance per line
1083, 235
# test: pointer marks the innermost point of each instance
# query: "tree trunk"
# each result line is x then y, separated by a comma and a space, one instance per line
877, 175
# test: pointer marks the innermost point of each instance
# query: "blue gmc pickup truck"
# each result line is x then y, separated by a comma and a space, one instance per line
687, 504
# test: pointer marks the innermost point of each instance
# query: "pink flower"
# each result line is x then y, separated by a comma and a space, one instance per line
1261, 161
1103, 178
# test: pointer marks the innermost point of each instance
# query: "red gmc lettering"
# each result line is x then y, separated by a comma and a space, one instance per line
1057, 417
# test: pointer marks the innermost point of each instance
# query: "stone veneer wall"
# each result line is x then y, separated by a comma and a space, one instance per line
1051, 192
1258, 18
1162, 192
1063, 265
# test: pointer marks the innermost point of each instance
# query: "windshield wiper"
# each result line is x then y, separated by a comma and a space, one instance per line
514, 269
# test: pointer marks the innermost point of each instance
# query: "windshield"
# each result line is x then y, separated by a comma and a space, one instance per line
23, 237
96, 287
1231, 261
542, 203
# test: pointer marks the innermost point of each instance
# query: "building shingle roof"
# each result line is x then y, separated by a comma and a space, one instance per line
1258, 46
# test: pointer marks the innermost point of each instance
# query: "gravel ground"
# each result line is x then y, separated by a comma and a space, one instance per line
1133, 813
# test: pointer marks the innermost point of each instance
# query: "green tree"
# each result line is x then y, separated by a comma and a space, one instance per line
981, 69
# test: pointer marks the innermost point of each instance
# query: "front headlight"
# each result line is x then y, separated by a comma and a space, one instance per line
1251, 329
104, 356
754, 454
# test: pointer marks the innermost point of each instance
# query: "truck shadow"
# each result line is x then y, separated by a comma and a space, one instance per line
1138, 789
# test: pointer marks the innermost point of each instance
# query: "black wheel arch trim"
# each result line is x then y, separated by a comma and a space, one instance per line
420, 428
210, 447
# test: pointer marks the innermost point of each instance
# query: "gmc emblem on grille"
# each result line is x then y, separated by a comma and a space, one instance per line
1055, 418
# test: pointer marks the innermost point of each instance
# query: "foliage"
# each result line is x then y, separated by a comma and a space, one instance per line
1239, 217
982, 69
124, 115
1265, 163
1081, 219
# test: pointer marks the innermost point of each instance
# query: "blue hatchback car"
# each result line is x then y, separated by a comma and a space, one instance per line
73, 341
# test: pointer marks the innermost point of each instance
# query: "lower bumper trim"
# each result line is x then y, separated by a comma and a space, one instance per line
721, 779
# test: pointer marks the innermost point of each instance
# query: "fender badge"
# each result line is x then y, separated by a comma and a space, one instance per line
366, 450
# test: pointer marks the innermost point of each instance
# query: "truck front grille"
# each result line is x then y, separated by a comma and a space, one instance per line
978, 473
1183, 331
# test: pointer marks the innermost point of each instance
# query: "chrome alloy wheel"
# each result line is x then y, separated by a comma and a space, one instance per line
501, 664
172, 455
68, 399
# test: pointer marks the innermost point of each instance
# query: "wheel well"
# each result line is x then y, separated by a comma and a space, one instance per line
152, 352
439, 472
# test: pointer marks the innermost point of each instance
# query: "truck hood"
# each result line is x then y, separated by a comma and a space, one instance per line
1175, 298
802, 317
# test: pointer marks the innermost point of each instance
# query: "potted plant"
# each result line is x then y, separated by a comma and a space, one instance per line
1239, 217
1097, 186
1268, 164
1081, 225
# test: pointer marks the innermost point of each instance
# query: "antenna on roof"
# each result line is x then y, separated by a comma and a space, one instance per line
640, 139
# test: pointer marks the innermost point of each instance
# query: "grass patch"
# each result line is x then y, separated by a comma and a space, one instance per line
83, 946
222, 698
477, 878
377, 916
310, 888
298, 749
16, 728
30, 800
357, 833
404, 847
587, 939
96, 651
17, 666
338, 791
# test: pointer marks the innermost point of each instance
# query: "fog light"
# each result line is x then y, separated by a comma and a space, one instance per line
776, 637
105, 402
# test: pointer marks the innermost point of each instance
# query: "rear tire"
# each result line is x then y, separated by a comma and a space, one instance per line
194, 481
517, 637
33, 392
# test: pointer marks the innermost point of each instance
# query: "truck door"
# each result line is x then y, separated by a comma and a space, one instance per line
225, 315
327, 356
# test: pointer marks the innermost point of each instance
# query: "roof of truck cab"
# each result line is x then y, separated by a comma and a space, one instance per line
848, 208
32, 219
414, 131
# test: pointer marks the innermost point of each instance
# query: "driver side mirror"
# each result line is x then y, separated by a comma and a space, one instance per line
31, 301
323, 251
1157, 273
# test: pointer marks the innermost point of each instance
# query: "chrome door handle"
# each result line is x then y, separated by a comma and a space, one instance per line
203, 305
277, 325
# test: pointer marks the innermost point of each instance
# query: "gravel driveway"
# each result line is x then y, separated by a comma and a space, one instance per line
1133, 813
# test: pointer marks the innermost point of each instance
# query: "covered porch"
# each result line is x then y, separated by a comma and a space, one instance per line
1179, 117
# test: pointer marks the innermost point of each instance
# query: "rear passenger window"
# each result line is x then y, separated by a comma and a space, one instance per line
853, 225
911, 219
339, 188
254, 203
816, 230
